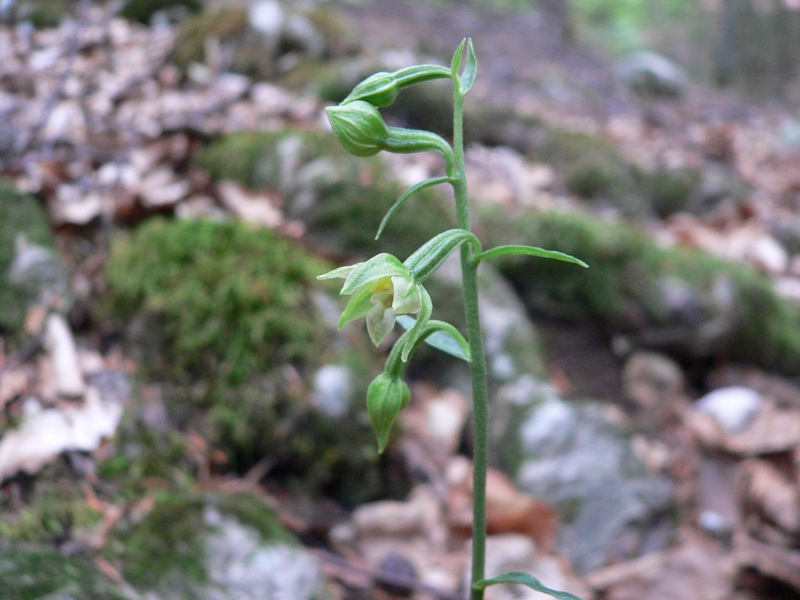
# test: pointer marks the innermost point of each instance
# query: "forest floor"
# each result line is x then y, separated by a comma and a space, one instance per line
525, 65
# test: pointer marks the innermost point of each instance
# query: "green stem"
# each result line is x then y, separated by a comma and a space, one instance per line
480, 389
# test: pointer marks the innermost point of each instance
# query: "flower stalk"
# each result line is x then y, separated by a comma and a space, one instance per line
385, 291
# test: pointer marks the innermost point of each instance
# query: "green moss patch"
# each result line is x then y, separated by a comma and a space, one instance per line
226, 318
675, 298
32, 572
226, 300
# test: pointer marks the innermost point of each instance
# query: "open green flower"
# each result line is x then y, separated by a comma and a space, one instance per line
382, 288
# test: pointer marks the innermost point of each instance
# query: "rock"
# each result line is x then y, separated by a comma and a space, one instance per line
652, 380
395, 564
39, 273
672, 299
577, 459
339, 198
31, 273
770, 430
216, 547
733, 408
264, 40
653, 75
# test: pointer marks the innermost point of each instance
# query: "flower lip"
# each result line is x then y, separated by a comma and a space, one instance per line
381, 289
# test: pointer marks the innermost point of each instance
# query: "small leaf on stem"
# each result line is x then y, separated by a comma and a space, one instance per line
526, 580
406, 195
529, 251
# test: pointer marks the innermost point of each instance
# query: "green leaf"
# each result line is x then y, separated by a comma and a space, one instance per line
443, 336
526, 580
467, 77
436, 250
470, 69
529, 251
406, 195
455, 64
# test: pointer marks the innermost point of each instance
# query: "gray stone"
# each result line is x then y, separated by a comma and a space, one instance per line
732, 407
579, 460
38, 273
217, 547
652, 75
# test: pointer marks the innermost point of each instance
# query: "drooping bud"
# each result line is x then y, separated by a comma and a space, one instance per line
381, 89
387, 395
359, 127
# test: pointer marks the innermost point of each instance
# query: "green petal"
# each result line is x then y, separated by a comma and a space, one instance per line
380, 321
381, 265
407, 298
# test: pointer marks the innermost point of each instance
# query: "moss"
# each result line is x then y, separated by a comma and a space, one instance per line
626, 288
170, 537
144, 10
20, 215
228, 300
670, 190
32, 572
41, 13
173, 533
57, 512
229, 26
224, 317
340, 198
591, 166
183, 545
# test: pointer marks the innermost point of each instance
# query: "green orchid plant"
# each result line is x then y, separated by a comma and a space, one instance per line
385, 290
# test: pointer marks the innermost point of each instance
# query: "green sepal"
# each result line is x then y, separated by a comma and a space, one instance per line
526, 580
358, 307
413, 335
387, 395
436, 250
382, 89
467, 77
528, 251
380, 265
442, 336
406, 195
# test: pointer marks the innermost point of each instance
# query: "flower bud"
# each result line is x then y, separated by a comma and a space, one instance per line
380, 89
387, 395
358, 126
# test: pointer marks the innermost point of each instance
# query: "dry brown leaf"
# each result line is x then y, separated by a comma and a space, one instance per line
772, 493
507, 509
254, 207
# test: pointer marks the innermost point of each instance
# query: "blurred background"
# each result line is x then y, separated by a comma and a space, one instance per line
180, 416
